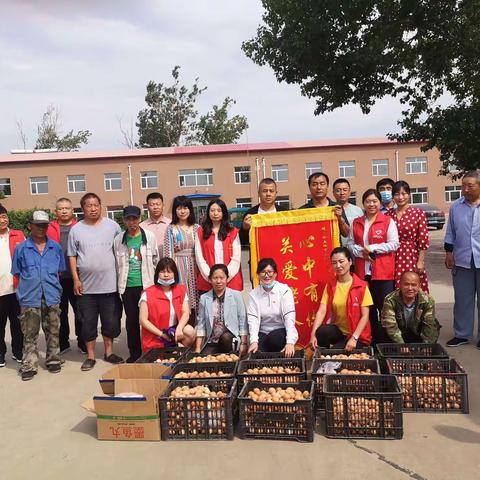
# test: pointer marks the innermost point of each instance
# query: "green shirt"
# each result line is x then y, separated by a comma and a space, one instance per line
134, 278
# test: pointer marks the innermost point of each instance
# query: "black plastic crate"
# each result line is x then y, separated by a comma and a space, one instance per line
322, 352
258, 355
431, 385
276, 421
271, 378
199, 418
229, 369
361, 365
411, 350
363, 406
158, 355
191, 355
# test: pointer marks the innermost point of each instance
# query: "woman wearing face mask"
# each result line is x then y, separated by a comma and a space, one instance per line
345, 302
218, 241
222, 318
413, 235
373, 241
271, 313
179, 244
164, 310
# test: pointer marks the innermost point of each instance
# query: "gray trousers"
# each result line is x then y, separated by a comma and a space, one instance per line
466, 285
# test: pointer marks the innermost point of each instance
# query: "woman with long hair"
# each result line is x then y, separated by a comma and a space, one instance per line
345, 302
164, 310
218, 241
179, 244
412, 234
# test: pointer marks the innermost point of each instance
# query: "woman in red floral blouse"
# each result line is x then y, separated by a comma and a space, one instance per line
412, 233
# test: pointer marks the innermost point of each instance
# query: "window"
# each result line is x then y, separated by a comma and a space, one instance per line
112, 211
242, 174
244, 202
353, 198
148, 180
283, 202
380, 168
312, 168
196, 178
113, 182
280, 173
78, 213
416, 165
76, 183
453, 193
347, 168
419, 195
145, 210
38, 185
5, 186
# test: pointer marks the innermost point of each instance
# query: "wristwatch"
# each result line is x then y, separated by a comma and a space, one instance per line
355, 337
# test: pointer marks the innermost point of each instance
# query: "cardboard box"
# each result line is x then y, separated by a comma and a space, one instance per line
133, 370
126, 418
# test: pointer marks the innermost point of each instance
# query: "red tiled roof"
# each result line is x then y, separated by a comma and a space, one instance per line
193, 150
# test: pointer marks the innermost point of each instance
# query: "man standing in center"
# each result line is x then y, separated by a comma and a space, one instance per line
136, 255
58, 231
92, 263
156, 222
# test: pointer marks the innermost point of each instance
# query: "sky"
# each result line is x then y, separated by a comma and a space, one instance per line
92, 59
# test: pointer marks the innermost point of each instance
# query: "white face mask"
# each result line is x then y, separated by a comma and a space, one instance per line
166, 283
269, 286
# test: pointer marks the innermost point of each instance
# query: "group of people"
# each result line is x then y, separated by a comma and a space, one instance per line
181, 283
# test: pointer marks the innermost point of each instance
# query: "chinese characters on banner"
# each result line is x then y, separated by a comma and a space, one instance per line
300, 242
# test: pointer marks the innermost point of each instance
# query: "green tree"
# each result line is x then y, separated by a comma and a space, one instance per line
170, 118
49, 135
425, 52
216, 128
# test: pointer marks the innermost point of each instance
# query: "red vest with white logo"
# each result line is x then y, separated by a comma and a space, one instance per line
354, 306
208, 252
14, 238
158, 306
383, 267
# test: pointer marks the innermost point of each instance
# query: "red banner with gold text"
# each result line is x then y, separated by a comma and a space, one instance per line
300, 242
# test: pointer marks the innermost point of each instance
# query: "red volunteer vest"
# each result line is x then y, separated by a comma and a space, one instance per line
383, 267
354, 306
159, 312
236, 283
14, 238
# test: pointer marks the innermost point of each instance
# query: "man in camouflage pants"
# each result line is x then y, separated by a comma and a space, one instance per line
37, 262
408, 314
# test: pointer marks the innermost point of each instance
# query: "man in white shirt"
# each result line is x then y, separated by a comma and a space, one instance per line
156, 222
341, 192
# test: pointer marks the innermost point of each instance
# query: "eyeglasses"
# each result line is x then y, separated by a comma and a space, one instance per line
267, 273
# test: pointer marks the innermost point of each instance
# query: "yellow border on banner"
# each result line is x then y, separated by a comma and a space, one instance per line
289, 217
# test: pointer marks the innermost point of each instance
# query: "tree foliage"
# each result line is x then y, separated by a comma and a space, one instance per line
49, 135
216, 128
425, 52
170, 118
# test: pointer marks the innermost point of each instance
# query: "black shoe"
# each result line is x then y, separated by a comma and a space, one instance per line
17, 357
2, 360
456, 342
54, 368
478, 344
132, 358
65, 350
88, 364
82, 347
28, 375
113, 358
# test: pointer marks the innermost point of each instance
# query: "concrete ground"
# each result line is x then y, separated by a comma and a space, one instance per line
45, 434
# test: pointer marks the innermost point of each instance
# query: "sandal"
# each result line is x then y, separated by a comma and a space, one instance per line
113, 358
88, 364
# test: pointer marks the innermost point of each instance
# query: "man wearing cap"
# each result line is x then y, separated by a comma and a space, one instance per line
92, 263
36, 264
136, 256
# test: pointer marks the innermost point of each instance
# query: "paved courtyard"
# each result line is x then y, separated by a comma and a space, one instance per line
45, 434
